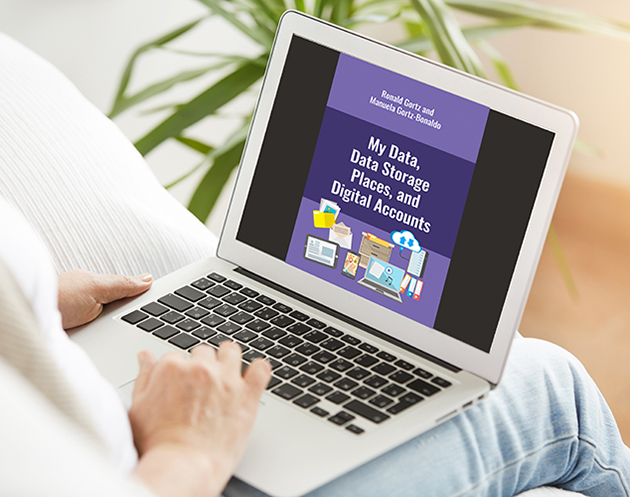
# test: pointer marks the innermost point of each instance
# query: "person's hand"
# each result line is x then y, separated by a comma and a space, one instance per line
82, 294
193, 415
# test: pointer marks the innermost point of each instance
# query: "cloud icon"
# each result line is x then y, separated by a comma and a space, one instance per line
406, 240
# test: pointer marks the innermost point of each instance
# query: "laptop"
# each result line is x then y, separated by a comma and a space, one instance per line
406, 155
383, 278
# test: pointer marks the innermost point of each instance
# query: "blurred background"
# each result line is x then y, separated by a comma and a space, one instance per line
91, 41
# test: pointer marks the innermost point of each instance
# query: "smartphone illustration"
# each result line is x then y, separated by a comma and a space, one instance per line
350, 264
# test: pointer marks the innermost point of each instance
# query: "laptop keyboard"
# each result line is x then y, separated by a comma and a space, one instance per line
311, 361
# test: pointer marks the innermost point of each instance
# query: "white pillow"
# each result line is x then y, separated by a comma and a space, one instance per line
80, 182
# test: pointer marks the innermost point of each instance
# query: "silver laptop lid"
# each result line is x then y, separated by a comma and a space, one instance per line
359, 151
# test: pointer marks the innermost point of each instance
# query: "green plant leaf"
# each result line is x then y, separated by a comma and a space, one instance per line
212, 184
200, 147
500, 65
262, 36
543, 16
206, 103
126, 77
447, 36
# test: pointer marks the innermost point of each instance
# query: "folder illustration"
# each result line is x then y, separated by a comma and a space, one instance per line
323, 219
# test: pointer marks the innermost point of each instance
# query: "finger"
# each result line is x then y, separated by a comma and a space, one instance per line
147, 362
257, 376
204, 352
111, 287
229, 354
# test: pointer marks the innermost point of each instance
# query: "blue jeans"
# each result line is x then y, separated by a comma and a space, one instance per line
545, 424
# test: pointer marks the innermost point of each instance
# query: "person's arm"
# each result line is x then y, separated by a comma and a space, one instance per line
82, 294
191, 418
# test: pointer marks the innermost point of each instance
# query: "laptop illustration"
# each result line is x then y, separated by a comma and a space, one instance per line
396, 144
383, 278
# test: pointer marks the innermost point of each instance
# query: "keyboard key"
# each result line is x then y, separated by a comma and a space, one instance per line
266, 313
349, 352
358, 373
282, 321
384, 369
315, 336
394, 390
263, 299
218, 339
366, 347
311, 367
294, 359
251, 306
341, 418
233, 285
307, 349
282, 307
241, 317
204, 333
385, 356
337, 397
175, 302
273, 382
209, 302
274, 333
225, 310
274, 364
219, 291
229, 328
299, 328
306, 401
183, 341
351, 340
217, 277
245, 336
345, 384
249, 292
285, 372
366, 360
154, 309
150, 324
258, 325
404, 404
381, 401
172, 317
422, 373
340, 365
166, 332
403, 365
320, 389
300, 316
333, 332
332, 344
190, 293
250, 355
188, 325
328, 376
441, 382
316, 323
287, 391
261, 344
278, 351
355, 429
363, 392
376, 381
234, 298
213, 320
324, 357
423, 387
366, 411
303, 381
197, 313
202, 284
318, 411
401, 377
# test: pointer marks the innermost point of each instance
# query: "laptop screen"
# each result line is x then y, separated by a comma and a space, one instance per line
410, 197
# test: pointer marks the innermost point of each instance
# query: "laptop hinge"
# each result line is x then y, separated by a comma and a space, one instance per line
346, 319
